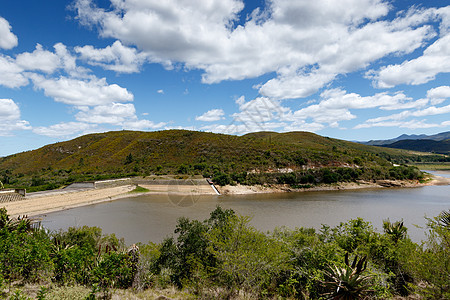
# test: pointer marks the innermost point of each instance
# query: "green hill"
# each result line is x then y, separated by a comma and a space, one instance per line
133, 153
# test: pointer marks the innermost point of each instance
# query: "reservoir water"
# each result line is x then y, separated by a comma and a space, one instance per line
153, 217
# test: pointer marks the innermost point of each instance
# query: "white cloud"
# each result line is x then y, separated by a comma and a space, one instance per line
211, 115
38, 60
399, 118
11, 75
432, 110
413, 124
14, 73
160, 92
335, 106
10, 118
435, 60
68, 61
64, 129
9, 110
8, 40
243, 128
306, 43
295, 86
113, 113
117, 114
89, 92
439, 94
116, 57
142, 125
301, 125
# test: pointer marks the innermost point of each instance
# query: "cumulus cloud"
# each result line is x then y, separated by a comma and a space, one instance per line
243, 128
11, 75
305, 43
113, 113
89, 92
211, 115
426, 107
335, 105
412, 124
439, 94
38, 60
14, 73
142, 125
64, 129
116, 57
10, 118
117, 114
8, 40
435, 60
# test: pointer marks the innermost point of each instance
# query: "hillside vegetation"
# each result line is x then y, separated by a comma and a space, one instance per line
224, 257
253, 158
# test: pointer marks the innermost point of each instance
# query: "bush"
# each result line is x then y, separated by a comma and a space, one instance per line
25, 255
221, 179
114, 270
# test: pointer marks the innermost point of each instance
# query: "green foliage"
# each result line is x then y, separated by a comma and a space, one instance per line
139, 189
395, 230
224, 256
430, 263
444, 219
114, 270
221, 179
129, 159
25, 255
351, 235
348, 282
246, 258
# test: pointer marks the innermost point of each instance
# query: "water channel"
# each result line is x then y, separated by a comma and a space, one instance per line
153, 217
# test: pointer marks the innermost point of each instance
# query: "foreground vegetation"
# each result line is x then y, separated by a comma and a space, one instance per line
256, 158
224, 257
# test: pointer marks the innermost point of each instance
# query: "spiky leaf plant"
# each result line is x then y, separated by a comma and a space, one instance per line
345, 283
397, 231
444, 219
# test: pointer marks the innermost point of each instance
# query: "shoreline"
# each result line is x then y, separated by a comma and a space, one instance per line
52, 201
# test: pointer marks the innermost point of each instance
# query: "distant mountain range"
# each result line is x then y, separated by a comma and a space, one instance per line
437, 143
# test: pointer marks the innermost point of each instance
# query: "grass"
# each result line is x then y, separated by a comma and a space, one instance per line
140, 189
78, 292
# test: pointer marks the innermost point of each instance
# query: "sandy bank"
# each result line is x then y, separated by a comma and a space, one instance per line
54, 201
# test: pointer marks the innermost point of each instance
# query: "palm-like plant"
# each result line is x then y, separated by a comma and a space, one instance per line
348, 282
444, 219
396, 230
23, 224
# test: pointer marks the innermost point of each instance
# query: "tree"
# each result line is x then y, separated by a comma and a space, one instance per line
129, 159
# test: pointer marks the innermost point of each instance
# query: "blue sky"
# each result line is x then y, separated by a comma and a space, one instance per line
349, 69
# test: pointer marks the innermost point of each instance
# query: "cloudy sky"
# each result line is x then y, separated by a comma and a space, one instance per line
350, 69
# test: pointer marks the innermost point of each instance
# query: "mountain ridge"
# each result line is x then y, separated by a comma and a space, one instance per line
436, 137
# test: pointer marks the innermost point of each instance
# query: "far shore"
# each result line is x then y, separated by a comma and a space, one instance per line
51, 201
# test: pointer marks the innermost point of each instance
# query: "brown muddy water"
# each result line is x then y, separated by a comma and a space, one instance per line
153, 217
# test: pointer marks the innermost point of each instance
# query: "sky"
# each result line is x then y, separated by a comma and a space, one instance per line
348, 69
